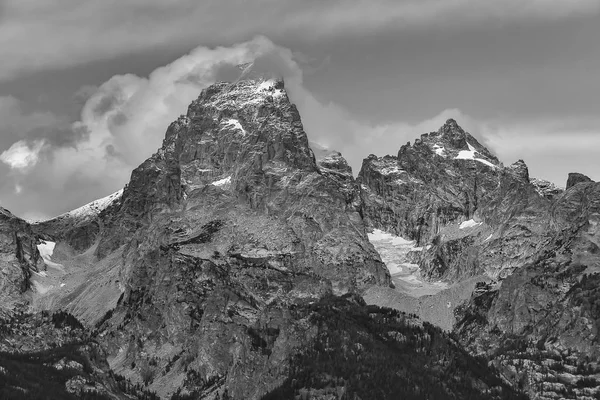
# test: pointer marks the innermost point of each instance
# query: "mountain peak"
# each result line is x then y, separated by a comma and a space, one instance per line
520, 169
452, 141
455, 136
451, 125
576, 177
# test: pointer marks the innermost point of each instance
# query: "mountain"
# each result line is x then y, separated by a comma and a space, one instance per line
517, 257
242, 261
218, 271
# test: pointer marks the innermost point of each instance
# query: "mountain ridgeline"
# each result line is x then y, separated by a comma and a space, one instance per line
234, 263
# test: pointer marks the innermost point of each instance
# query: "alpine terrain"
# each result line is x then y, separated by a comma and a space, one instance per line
242, 261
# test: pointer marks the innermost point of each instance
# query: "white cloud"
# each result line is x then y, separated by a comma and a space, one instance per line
22, 155
42, 34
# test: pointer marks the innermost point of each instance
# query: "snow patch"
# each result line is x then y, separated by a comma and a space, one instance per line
486, 162
489, 237
470, 155
94, 208
390, 170
439, 150
394, 252
269, 86
46, 249
266, 85
379, 235
469, 224
235, 124
222, 182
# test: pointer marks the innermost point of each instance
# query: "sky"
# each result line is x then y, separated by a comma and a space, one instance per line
87, 89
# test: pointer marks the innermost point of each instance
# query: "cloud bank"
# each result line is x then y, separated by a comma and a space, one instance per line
46, 34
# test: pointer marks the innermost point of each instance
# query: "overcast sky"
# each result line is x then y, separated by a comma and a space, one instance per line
87, 88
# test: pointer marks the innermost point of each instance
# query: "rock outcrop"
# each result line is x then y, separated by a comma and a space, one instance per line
19, 258
576, 177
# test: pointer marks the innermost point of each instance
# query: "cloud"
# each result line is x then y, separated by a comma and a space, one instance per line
22, 156
46, 34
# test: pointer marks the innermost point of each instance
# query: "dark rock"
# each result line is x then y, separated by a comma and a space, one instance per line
520, 170
575, 178
19, 257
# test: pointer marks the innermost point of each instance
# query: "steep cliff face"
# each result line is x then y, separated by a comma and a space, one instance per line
19, 258
441, 179
227, 228
450, 194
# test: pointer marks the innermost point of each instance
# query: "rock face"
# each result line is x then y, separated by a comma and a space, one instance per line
220, 234
533, 244
440, 179
19, 257
575, 178
449, 193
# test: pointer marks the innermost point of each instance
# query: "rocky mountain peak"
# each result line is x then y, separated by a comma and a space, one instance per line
519, 169
576, 177
451, 142
452, 132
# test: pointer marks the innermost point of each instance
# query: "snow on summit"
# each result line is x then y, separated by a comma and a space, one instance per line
92, 209
470, 155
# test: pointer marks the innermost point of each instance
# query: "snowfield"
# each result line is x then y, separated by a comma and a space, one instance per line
234, 123
46, 249
439, 150
394, 252
470, 155
469, 224
222, 182
92, 209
